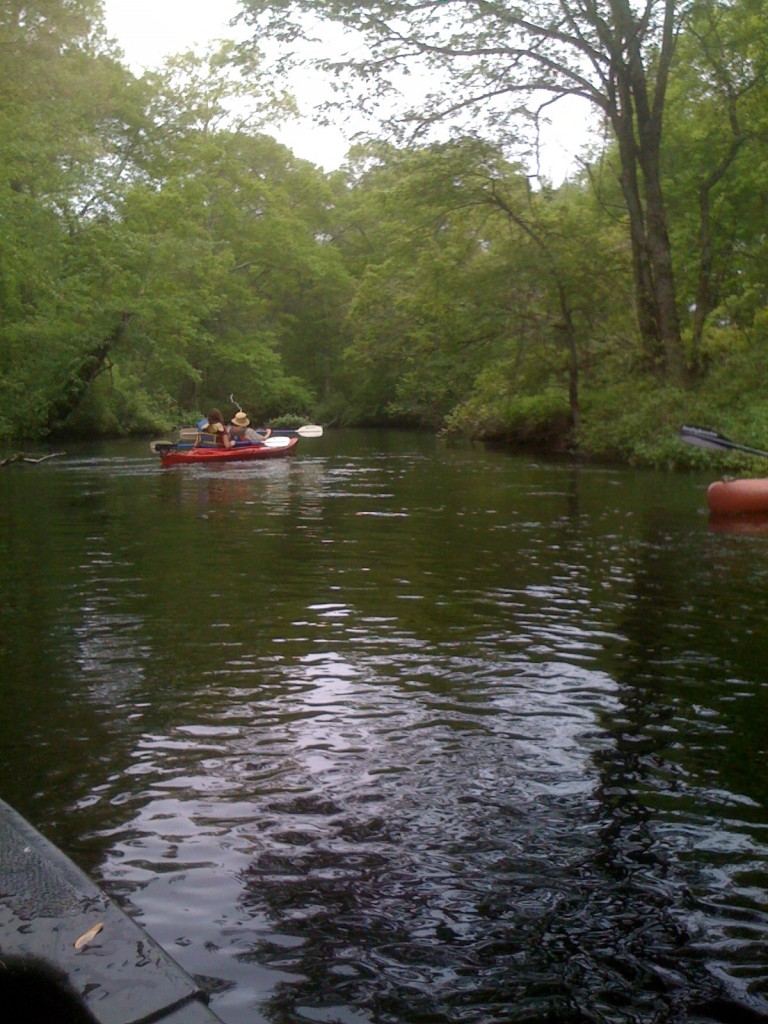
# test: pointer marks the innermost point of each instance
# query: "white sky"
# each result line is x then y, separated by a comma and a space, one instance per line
149, 30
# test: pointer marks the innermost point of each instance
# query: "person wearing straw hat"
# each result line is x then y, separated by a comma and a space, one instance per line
240, 429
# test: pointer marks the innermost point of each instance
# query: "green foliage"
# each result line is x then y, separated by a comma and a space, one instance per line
496, 411
155, 252
116, 405
288, 421
637, 421
463, 269
634, 420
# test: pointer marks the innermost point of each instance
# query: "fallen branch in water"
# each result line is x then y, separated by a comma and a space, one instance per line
21, 457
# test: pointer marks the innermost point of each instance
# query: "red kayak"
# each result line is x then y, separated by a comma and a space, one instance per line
733, 497
179, 455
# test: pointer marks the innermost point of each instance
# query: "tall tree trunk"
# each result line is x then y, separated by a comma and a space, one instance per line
646, 304
636, 113
660, 257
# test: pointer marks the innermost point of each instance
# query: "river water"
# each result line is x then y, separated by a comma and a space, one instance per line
397, 731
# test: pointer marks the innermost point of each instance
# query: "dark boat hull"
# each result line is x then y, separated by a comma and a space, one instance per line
47, 904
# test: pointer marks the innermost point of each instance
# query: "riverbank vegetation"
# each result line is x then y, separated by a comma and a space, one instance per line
160, 250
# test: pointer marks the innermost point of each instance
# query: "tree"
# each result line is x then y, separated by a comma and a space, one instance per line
248, 269
716, 131
65, 108
507, 62
425, 307
156, 250
475, 292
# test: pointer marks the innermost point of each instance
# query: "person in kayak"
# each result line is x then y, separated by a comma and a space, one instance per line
240, 429
215, 432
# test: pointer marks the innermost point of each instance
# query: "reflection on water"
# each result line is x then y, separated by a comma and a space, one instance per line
398, 732
746, 523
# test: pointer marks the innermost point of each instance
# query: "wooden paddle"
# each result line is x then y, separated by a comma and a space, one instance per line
310, 430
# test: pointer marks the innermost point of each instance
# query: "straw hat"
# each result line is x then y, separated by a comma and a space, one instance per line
240, 419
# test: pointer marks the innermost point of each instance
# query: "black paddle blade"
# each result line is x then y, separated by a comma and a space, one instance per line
705, 438
156, 447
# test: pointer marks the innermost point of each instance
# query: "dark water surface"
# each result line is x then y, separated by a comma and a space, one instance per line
400, 732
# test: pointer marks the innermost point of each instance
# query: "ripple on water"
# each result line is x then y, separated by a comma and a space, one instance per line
415, 857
